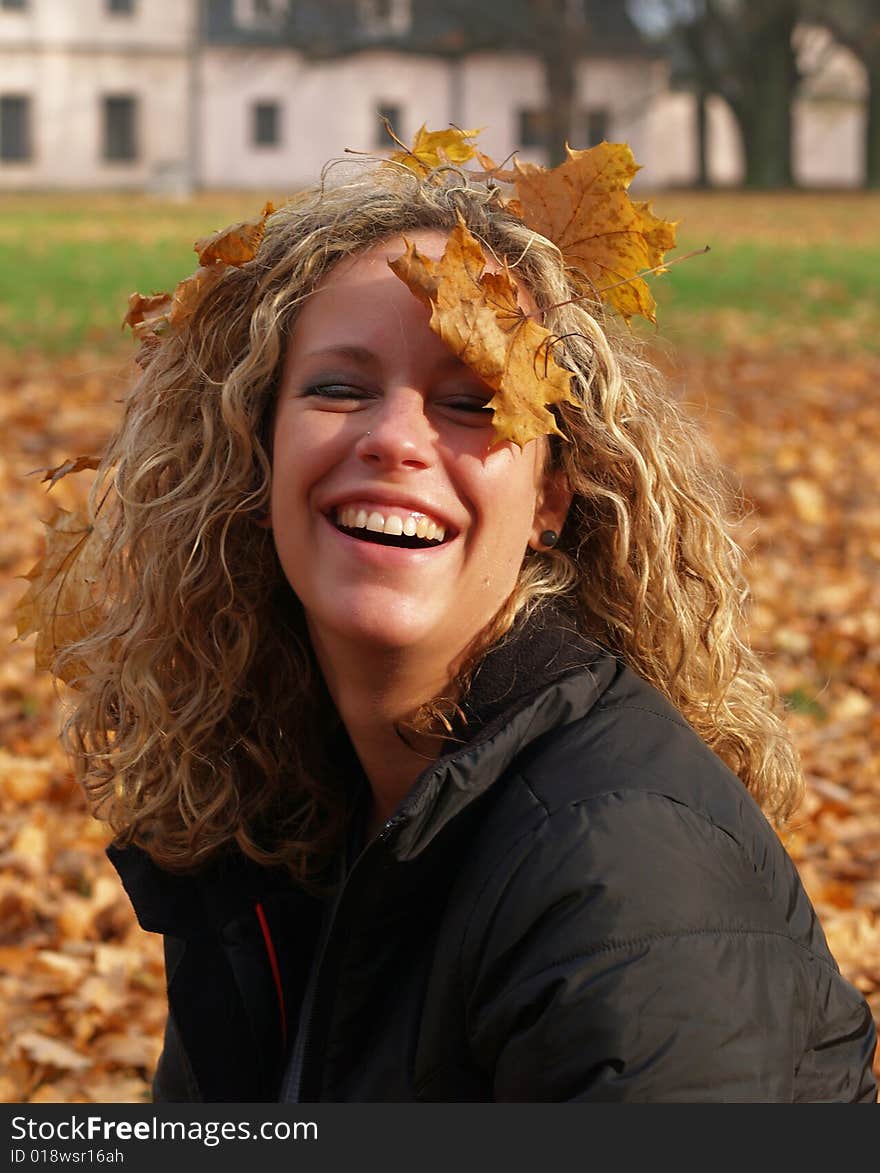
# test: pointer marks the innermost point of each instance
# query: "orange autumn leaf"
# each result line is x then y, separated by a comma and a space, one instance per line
235, 245
492, 170
189, 292
659, 234
147, 315
608, 239
61, 605
477, 315
75, 464
432, 148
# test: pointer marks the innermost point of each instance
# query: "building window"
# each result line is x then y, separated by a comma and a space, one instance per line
120, 129
594, 127
385, 18
120, 7
534, 128
15, 128
393, 115
266, 124
268, 15
13, 5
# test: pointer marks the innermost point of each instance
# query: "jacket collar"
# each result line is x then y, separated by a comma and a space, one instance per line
542, 675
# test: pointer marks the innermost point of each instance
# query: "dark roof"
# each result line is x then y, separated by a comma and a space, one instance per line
332, 28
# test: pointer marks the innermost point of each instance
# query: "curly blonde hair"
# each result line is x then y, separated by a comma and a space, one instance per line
199, 721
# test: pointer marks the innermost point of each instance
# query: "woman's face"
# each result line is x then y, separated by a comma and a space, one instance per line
398, 523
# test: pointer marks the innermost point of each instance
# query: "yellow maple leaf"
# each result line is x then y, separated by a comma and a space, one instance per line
583, 206
432, 148
61, 603
659, 234
477, 315
235, 245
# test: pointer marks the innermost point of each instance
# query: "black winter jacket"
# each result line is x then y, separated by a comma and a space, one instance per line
580, 904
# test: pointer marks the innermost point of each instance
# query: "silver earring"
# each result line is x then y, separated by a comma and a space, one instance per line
549, 537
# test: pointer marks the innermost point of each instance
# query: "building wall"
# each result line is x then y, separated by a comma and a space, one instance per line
630, 90
494, 89
66, 57
490, 92
77, 24
195, 109
829, 142
323, 109
327, 108
829, 119
670, 132
67, 119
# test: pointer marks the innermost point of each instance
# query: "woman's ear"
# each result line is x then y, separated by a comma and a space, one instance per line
551, 509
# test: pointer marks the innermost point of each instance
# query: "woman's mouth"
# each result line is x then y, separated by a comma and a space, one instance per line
389, 527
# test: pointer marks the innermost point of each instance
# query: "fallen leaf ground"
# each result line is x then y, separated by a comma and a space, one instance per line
801, 439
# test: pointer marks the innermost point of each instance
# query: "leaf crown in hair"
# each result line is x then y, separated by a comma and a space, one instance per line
608, 242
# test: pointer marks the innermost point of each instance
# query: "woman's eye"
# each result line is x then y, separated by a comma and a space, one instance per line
336, 391
477, 405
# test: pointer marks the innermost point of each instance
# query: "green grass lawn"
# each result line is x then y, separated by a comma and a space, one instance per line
794, 270
784, 270
69, 263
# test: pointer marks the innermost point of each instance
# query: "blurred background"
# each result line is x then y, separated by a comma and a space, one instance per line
128, 128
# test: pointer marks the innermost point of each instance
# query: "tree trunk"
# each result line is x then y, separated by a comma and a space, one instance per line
872, 125
701, 118
764, 106
766, 137
561, 85
559, 41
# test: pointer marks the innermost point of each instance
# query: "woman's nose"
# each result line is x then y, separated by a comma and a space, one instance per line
398, 433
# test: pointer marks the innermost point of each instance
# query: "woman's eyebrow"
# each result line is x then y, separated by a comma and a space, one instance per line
449, 364
357, 354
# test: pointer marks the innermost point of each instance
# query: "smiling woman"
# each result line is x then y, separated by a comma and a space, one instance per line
417, 697
378, 423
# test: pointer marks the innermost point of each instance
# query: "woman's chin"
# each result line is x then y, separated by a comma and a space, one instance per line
380, 630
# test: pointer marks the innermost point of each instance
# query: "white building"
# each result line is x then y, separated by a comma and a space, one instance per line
180, 94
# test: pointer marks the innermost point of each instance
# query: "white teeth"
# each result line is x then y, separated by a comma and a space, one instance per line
413, 525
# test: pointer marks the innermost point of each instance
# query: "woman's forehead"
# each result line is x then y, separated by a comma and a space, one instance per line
429, 241
371, 262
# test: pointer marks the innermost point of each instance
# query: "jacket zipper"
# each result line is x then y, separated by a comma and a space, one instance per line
305, 1034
